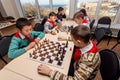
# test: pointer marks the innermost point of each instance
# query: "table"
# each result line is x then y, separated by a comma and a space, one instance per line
9, 75
22, 65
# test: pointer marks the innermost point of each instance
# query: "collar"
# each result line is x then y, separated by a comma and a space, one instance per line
21, 35
86, 48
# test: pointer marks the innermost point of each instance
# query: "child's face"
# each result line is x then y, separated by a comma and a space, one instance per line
62, 12
78, 21
26, 30
53, 18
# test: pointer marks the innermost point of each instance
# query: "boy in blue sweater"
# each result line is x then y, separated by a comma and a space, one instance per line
24, 39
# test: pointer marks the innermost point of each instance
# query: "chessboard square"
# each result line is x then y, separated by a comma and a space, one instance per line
52, 57
46, 60
50, 54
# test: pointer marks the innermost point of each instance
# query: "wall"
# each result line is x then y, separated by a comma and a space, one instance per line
10, 8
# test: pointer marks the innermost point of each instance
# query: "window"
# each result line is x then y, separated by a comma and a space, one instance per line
61, 3
88, 5
29, 8
109, 8
44, 8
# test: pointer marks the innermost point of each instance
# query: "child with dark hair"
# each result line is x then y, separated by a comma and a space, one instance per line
83, 11
51, 25
79, 19
61, 13
24, 39
87, 61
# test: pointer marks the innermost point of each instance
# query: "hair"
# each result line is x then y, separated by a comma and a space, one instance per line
83, 11
52, 14
81, 32
60, 9
21, 22
78, 15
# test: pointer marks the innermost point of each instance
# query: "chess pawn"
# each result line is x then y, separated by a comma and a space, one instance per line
35, 57
30, 54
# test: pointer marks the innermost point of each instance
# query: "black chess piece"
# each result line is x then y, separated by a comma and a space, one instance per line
66, 44
59, 62
50, 60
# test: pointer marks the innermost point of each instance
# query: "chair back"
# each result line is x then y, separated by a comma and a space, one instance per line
92, 23
110, 65
105, 20
39, 27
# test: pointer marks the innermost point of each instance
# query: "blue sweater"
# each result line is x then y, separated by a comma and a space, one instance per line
17, 45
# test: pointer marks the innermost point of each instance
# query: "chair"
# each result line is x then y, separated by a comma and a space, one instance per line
4, 46
110, 65
118, 40
99, 35
39, 27
105, 23
91, 24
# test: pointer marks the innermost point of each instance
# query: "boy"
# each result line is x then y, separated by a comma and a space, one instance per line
61, 13
24, 39
51, 25
87, 62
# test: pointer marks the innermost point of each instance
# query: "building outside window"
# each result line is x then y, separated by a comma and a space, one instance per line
109, 8
88, 5
29, 8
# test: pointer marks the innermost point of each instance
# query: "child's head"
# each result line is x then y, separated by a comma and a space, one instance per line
24, 26
78, 17
52, 16
84, 12
61, 10
80, 35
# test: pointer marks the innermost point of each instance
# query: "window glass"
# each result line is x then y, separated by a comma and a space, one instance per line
44, 7
29, 8
61, 3
109, 8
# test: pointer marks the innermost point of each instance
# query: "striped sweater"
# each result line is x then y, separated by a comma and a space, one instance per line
85, 68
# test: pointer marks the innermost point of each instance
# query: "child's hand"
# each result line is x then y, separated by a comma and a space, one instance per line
37, 40
42, 69
31, 45
53, 33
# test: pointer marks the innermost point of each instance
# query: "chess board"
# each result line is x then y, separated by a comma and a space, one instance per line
49, 52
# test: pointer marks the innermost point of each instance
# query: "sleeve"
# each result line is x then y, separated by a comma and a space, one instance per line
14, 49
64, 16
39, 35
46, 27
83, 72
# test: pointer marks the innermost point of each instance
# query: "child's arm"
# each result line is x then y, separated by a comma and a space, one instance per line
46, 27
14, 49
38, 35
83, 72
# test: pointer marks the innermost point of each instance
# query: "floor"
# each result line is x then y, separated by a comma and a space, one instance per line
102, 45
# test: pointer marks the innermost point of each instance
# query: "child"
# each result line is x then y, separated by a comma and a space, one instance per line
61, 13
87, 63
83, 11
24, 39
79, 19
50, 25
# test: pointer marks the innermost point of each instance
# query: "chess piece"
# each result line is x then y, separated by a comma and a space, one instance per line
67, 43
35, 57
59, 62
30, 54
70, 48
50, 60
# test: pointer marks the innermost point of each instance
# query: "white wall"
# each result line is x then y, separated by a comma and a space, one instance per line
10, 8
